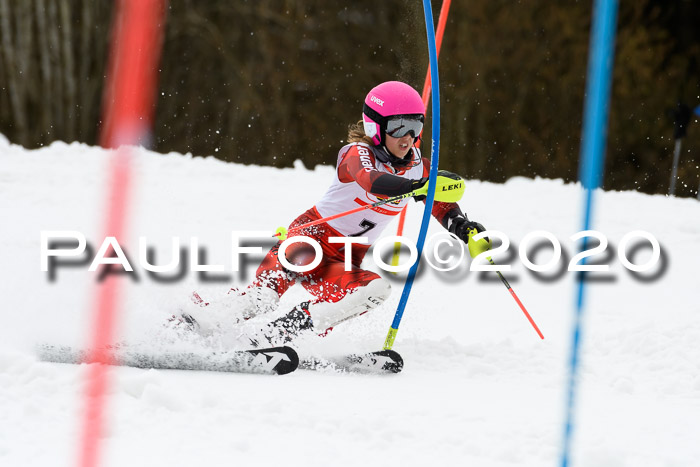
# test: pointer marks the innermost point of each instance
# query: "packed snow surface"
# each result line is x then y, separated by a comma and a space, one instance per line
478, 388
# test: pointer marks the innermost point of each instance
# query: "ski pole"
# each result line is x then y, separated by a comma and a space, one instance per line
450, 190
442, 21
517, 300
282, 232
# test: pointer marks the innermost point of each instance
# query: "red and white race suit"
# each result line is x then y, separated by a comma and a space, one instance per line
360, 179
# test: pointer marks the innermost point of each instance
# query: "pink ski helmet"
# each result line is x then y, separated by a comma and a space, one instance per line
391, 99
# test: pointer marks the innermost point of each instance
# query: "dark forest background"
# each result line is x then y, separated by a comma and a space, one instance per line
268, 82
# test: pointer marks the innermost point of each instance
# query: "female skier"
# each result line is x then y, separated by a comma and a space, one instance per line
379, 161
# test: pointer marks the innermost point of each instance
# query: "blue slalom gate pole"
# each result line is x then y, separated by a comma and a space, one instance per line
434, 159
595, 122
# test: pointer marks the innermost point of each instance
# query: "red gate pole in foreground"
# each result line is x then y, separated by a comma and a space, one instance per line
128, 102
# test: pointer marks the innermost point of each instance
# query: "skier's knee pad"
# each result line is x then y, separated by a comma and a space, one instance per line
325, 315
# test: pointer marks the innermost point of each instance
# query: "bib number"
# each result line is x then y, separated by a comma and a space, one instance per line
366, 225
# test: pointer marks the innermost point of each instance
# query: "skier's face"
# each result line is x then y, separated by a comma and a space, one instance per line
399, 147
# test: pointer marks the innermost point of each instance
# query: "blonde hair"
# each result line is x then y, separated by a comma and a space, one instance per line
356, 134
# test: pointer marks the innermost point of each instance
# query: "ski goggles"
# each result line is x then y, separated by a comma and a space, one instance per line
398, 127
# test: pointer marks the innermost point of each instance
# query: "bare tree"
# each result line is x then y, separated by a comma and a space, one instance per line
52, 54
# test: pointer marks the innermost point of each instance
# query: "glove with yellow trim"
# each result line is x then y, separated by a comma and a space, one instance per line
449, 187
465, 229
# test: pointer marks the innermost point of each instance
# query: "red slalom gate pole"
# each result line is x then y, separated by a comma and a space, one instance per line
440, 32
127, 114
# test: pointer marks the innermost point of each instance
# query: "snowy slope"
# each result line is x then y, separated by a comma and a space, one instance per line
478, 388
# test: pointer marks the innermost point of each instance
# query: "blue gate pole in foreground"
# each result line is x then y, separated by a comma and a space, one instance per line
434, 159
595, 122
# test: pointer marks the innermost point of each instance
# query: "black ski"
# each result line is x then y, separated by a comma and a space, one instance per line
275, 360
381, 362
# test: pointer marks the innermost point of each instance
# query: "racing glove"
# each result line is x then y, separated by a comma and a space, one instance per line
465, 229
